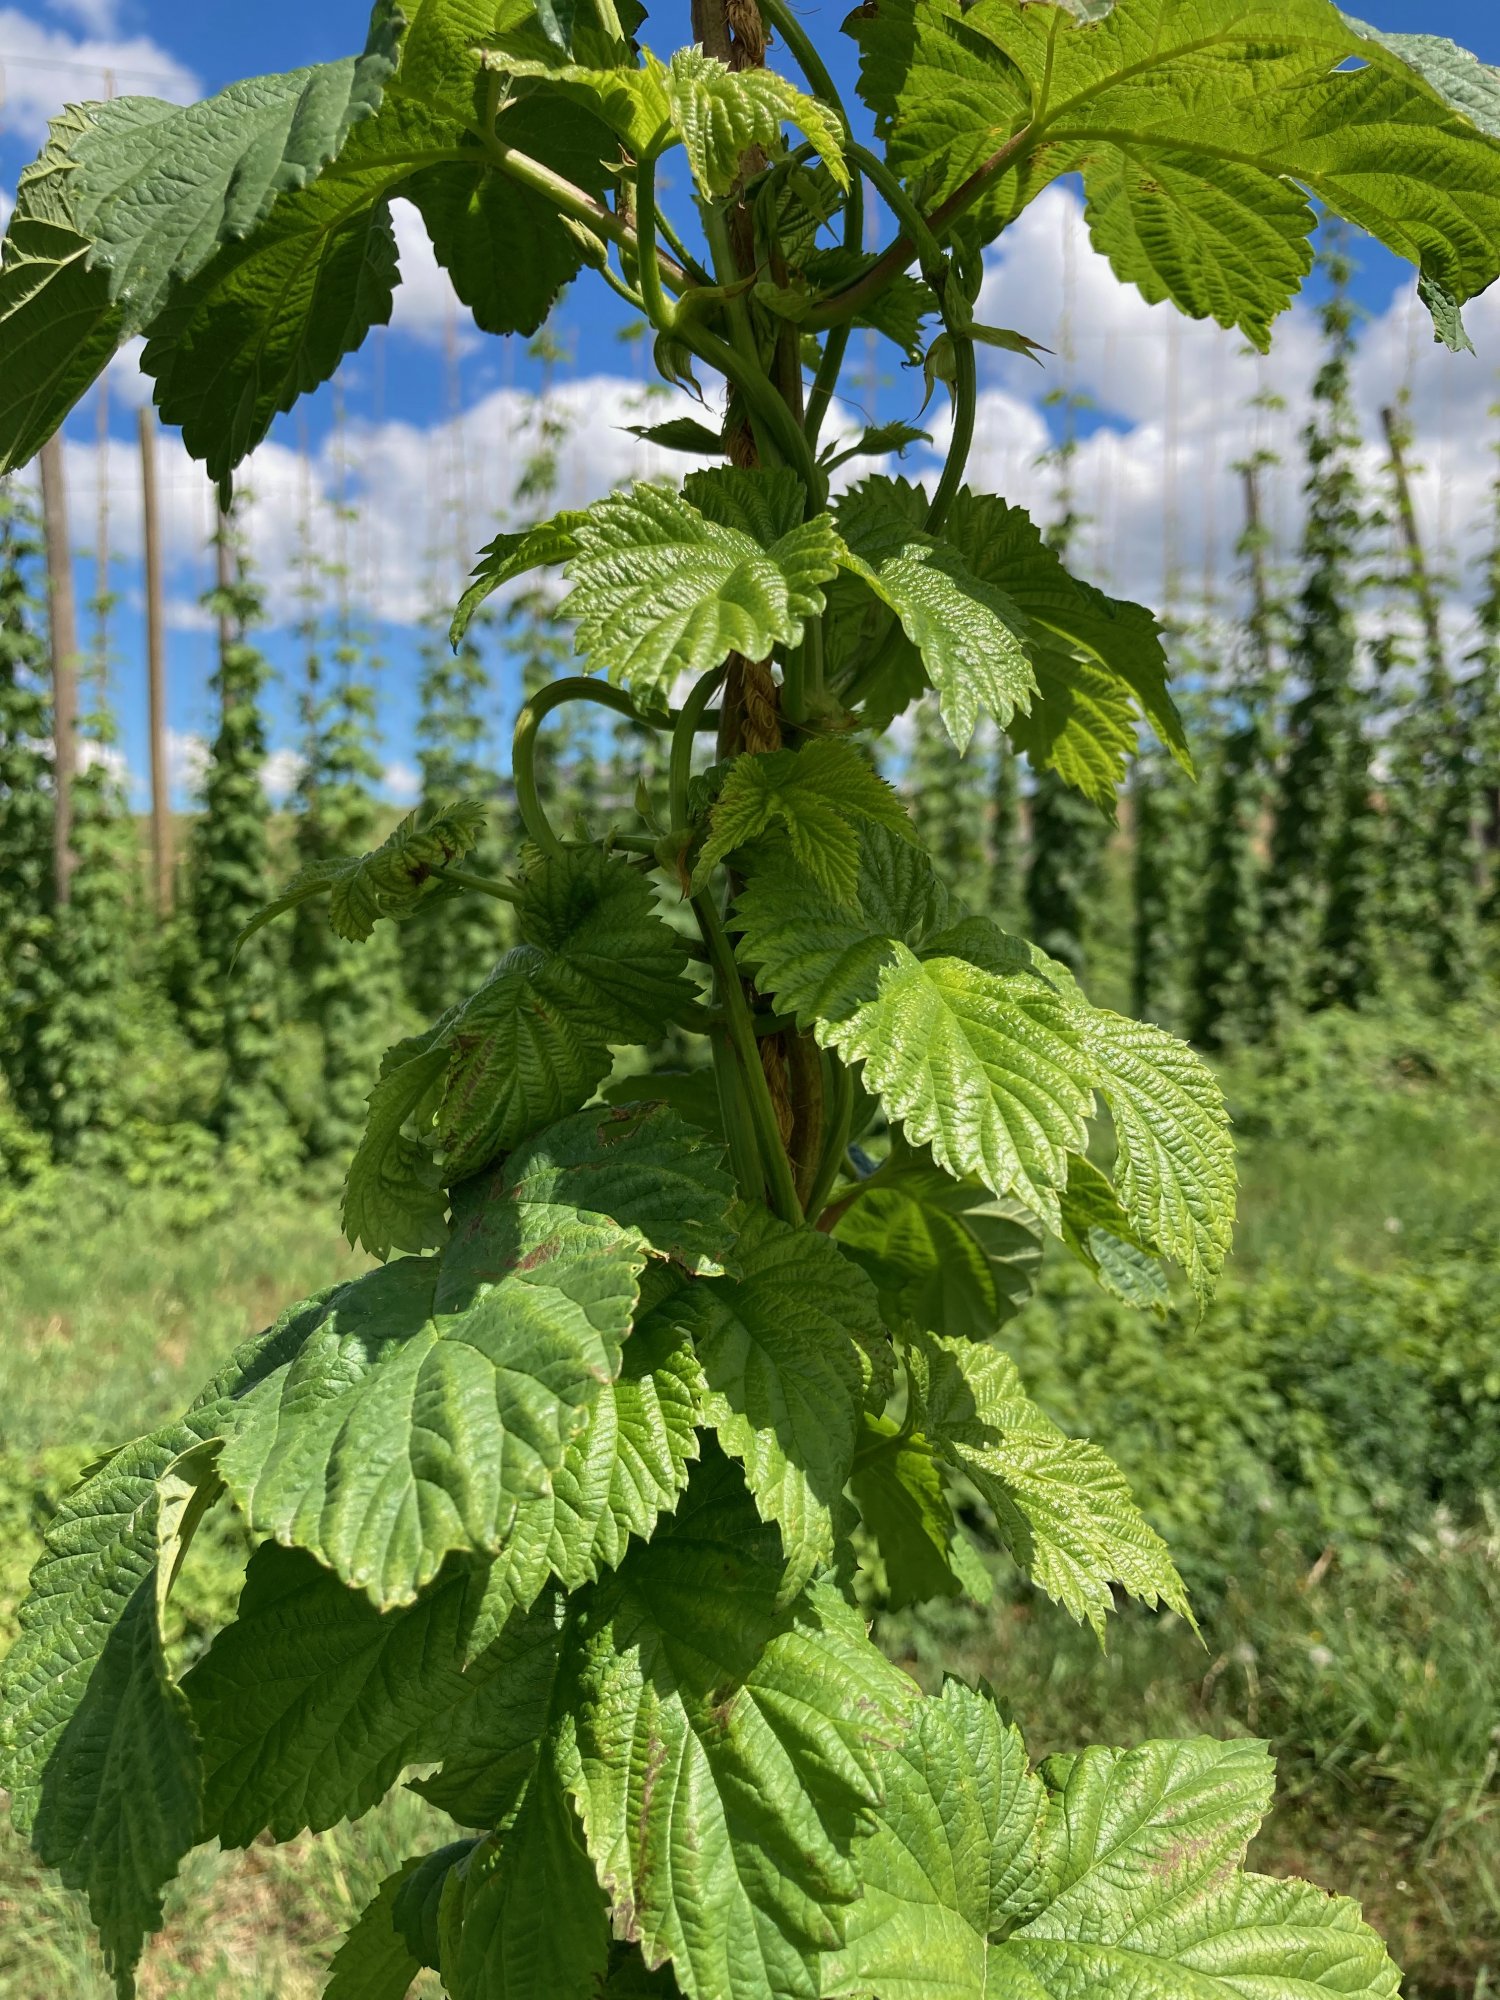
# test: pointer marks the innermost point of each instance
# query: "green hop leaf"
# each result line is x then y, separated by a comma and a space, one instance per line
436, 1396
1105, 1870
783, 1347
819, 797
667, 583
972, 639
393, 881
1061, 1504
1200, 131
947, 1256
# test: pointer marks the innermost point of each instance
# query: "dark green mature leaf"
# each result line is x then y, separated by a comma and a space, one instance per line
680, 434
945, 1255
782, 1346
96, 1748
726, 1750
1061, 1504
390, 882
99, 1756
134, 196
972, 639
1108, 1872
666, 583
437, 1397
376, 1961
1099, 661
312, 1702
641, 1166
529, 1921
1196, 127
819, 797
597, 965
951, 1860
627, 1466
898, 1485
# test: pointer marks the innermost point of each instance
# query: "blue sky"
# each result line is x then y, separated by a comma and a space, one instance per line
1175, 399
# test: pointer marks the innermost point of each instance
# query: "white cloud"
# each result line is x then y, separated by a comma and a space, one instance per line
426, 308
6, 205
403, 784
1158, 482
187, 760
45, 68
110, 755
96, 17
280, 773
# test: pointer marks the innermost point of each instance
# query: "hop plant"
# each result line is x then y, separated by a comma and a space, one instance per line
559, 1506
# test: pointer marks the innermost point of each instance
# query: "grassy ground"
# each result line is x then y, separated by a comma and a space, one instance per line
1377, 1678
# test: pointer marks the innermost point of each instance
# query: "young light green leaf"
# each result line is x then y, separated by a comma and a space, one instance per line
716, 113
947, 1256
660, 587
726, 1750
982, 1068
437, 1396
972, 638
819, 797
1197, 130
898, 1486
1176, 1175
1061, 1504
980, 1061
390, 882
722, 113
780, 1348
134, 196
1102, 1237
512, 555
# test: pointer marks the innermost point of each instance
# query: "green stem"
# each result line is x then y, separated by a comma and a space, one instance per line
853, 299
560, 192
899, 202
806, 56
741, 1026
659, 308
840, 1118
618, 284
573, 687
481, 885
744, 1154
690, 721
965, 408
836, 346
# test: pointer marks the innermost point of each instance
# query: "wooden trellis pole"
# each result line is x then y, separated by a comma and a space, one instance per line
63, 619
156, 672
